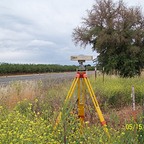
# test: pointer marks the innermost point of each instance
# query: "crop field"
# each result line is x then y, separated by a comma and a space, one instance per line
29, 109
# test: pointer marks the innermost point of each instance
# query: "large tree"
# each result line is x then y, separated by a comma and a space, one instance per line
116, 32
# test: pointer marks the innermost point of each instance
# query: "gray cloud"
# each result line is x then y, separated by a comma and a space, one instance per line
39, 31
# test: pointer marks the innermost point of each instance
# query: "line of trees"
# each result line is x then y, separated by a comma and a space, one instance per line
6, 68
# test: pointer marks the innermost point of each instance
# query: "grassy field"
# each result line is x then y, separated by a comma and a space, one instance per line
28, 111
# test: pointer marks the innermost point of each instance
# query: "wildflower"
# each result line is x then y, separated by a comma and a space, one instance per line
123, 133
36, 100
38, 113
87, 122
1, 107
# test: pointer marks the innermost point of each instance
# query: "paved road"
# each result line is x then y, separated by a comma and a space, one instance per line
66, 75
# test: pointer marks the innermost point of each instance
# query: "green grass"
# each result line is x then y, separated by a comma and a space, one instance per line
28, 111
116, 92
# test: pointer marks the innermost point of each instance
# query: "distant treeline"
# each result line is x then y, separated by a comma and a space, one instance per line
6, 68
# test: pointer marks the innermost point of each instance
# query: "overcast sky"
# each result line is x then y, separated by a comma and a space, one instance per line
39, 31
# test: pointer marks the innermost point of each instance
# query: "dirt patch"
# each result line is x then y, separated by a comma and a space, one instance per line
118, 118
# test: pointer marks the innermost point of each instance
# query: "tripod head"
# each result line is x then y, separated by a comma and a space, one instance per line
81, 59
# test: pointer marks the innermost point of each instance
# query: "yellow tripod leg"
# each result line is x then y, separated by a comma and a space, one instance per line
96, 105
81, 101
70, 92
78, 91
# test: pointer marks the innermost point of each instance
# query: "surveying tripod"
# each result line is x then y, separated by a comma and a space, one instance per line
81, 81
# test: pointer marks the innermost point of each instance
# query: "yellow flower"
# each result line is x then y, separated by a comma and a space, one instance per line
123, 133
1, 107
38, 113
36, 100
